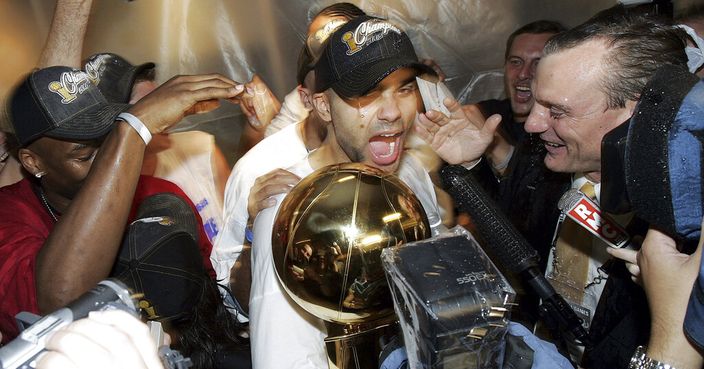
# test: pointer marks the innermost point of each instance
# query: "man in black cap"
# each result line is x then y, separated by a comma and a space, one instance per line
366, 94
60, 233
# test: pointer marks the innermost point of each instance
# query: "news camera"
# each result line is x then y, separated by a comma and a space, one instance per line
109, 294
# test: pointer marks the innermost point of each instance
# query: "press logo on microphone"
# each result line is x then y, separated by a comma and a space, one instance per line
589, 216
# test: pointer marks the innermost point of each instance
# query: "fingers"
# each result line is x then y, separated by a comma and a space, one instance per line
70, 346
137, 332
194, 78
432, 64
631, 261
265, 187
634, 269
491, 124
55, 360
452, 105
183, 95
111, 339
473, 113
211, 91
629, 256
202, 107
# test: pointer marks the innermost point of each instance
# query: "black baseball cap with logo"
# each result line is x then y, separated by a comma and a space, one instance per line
60, 102
114, 75
363, 52
159, 258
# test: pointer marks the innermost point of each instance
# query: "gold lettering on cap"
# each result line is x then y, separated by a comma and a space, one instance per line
70, 85
367, 33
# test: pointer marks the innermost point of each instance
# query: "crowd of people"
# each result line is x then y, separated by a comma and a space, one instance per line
94, 186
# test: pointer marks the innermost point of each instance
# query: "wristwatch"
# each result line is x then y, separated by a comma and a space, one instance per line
641, 361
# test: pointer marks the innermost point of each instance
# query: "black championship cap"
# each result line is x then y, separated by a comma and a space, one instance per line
160, 259
61, 102
114, 75
361, 53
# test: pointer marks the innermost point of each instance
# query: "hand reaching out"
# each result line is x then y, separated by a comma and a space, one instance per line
459, 138
105, 339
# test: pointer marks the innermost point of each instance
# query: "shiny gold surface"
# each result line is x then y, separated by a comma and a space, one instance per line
328, 236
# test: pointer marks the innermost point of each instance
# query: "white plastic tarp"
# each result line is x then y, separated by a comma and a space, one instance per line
240, 37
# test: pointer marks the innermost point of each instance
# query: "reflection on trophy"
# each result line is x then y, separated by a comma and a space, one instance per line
327, 241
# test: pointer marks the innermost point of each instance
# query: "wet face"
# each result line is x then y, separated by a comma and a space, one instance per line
370, 129
519, 71
570, 111
65, 164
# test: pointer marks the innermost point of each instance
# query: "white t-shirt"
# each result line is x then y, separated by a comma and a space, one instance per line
280, 150
282, 334
189, 164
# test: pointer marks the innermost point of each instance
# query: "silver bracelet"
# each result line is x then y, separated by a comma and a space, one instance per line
138, 126
640, 360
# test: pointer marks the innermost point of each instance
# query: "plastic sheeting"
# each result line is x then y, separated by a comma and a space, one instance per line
240, 37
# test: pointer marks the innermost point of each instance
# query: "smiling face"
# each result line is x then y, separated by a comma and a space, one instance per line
370, 129
519, 70
570, 111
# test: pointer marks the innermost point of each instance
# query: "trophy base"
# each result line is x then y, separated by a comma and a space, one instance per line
356, 346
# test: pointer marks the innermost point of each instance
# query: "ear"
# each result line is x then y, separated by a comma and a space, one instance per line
627, 111
30, 161
631, 106
306, 97
321, 103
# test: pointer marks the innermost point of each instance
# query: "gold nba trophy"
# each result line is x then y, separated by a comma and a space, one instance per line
327, 241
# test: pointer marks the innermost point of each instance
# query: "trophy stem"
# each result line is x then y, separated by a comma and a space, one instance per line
357, 346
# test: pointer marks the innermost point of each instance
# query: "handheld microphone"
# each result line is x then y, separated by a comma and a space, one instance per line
588, 215
510, 249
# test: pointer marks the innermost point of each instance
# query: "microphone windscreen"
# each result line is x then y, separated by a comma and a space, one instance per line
501, 239
663, 153
569, 199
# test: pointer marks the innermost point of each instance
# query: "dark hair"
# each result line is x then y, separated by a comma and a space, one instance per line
637, 46
345, 10
209, 331
305, 58
537, 27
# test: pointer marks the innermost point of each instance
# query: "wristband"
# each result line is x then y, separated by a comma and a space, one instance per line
138, 126
248, 234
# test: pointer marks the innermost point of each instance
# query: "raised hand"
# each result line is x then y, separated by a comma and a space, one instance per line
181, 96
259, 104
459, 138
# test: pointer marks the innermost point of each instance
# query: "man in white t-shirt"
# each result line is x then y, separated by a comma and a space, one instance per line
368, 97
291, 143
